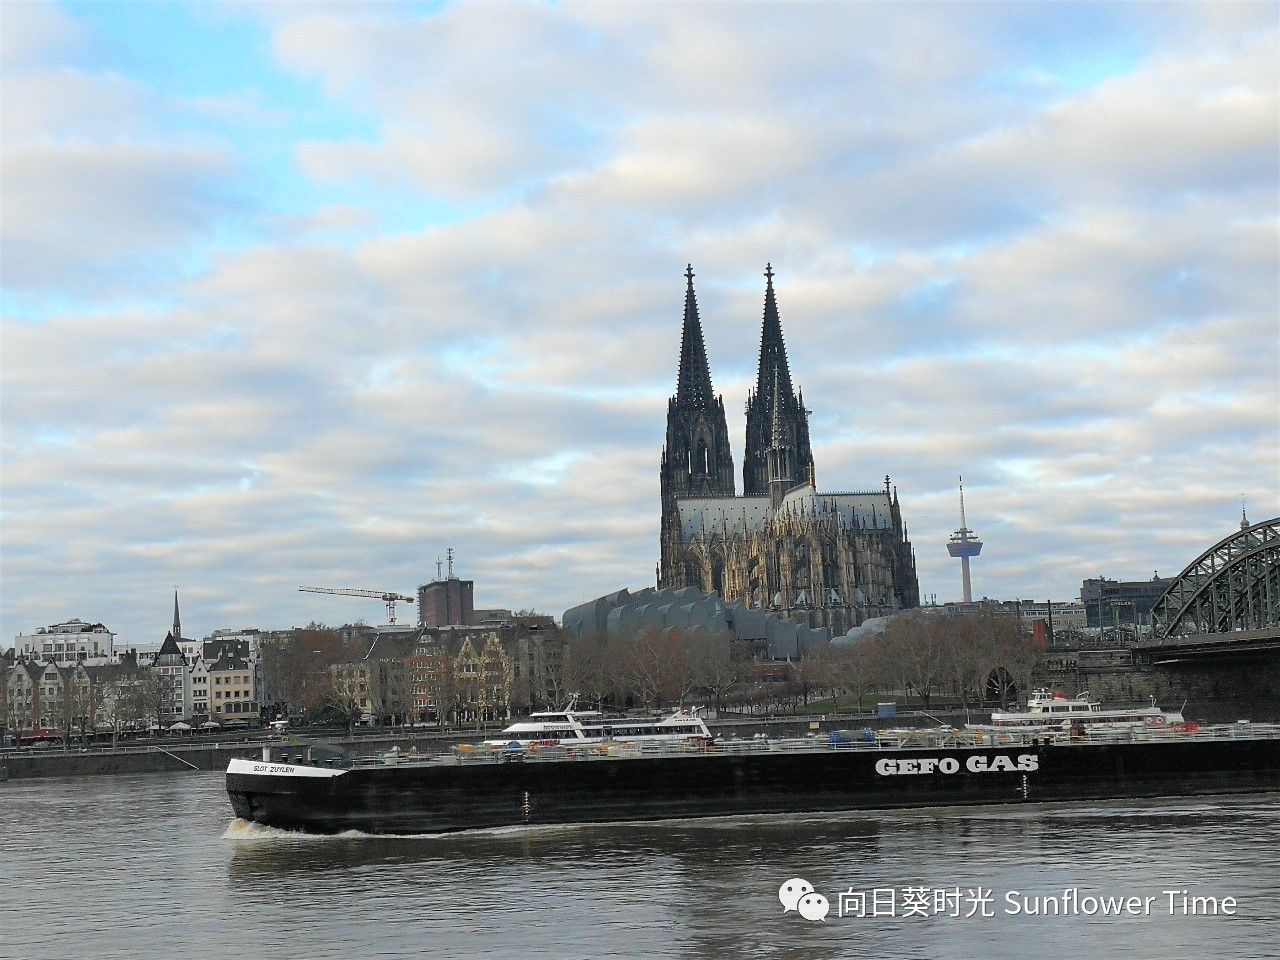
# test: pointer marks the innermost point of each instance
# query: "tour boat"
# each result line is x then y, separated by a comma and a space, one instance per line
1048, 711
573, 727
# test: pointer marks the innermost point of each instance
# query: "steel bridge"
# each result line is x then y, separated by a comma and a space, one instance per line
1227, 601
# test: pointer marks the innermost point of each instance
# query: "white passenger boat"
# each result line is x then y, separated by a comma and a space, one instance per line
1048, 711
573, 727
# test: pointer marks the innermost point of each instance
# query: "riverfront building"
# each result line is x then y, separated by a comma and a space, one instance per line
1123, 606
448, 602
172, 681
232, 692
373, 685
70, 642
43, 698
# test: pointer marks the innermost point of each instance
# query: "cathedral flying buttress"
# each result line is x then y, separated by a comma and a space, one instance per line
825, 559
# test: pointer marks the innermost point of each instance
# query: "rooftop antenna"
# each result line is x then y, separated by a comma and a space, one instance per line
449, 554
439, 564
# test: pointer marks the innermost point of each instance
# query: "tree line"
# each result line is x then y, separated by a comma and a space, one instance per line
971, 660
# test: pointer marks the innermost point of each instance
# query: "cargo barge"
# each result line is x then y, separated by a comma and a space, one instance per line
527, 783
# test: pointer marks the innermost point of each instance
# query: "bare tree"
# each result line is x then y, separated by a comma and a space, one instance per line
340, 692
77, 704
553, 652
122, 706
151, 693
448, 691
1012, 653
916, 647
845, 668
715, 663
965, 654
926, 652
589, 669
656, 667
435, 681
297, 668
408, 708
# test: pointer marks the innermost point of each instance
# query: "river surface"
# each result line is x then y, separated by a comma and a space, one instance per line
155, 866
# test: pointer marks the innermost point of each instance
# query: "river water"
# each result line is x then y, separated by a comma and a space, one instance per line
155, 866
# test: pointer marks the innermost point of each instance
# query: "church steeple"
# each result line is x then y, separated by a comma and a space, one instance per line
761, 404
696, 461
773, 351
693, 384
177, 620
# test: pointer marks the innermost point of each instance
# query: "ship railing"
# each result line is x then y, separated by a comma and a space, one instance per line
865, 741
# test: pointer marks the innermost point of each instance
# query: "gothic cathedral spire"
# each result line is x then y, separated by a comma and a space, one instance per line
693, 383
793, 418
696, 461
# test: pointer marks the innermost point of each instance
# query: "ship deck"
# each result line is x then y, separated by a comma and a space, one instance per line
852, 741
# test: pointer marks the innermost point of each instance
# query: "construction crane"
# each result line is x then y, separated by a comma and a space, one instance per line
386, 596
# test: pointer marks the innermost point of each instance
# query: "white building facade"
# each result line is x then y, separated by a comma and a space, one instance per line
74, 641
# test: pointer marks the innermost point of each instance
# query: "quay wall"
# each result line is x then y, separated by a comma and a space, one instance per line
174, 758
74, 763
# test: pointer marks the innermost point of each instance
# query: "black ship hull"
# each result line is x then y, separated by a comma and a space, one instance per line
412, 798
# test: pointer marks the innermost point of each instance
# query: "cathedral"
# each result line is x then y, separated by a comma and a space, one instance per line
825, 559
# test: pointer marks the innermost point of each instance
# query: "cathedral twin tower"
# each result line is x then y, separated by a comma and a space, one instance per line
825, 559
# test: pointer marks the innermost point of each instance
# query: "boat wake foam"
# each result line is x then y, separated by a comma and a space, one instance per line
247, 830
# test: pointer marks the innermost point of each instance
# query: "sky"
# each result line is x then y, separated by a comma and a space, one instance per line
309, 293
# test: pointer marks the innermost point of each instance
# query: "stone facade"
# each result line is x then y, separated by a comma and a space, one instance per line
1215, 690
824, 559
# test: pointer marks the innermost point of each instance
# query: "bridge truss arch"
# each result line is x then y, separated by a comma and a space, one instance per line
1232, 586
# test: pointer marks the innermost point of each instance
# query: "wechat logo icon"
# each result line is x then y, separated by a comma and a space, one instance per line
798, 894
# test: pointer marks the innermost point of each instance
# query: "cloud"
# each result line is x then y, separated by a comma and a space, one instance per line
33, 32
100, 197
454, 125
77, 216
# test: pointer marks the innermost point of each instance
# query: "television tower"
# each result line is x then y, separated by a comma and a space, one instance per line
964, 544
